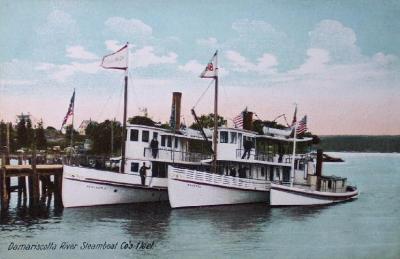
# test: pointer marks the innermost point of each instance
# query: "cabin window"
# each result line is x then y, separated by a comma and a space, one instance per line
163, 141
262, 172
223, 137
145, 136
169, 141
134, 167
134, 135
233, 137
159, 170
240, 140
155, 135
176, 142
329, 184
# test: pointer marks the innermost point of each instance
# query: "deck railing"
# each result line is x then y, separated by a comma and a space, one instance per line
174, 155
222, 180
258, 156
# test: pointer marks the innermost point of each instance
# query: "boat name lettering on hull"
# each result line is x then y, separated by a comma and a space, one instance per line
96, 187
193, 185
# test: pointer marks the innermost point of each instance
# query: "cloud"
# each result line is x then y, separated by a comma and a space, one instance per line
79, 52
336, 38
192, 66
44, 66
59, 25
256, 35
209, 42
113, 45
265, 64
146, 56
11, 82
130, 29
315, 63
62, 72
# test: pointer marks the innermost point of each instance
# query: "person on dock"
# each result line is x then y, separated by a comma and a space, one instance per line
154, 147
142, 172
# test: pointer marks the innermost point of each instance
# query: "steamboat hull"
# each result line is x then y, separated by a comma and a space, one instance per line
291, 196
190, 188
91, 187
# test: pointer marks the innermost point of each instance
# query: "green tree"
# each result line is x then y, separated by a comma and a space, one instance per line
141, 120
22, 134
100, 135
41, 141
207, 121
3, 135
68, 135
29, 133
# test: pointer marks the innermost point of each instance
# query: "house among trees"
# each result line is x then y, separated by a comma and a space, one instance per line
83, 126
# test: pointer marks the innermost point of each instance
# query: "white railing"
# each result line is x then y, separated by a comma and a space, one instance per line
174, 155
222, 180
274, 158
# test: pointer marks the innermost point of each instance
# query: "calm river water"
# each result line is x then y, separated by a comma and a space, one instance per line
365, 228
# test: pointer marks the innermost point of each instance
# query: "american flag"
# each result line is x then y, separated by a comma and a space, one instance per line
238, 121
302, 126
70, 110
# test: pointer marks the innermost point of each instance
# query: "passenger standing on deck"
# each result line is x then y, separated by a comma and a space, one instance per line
154, 147
142, 172
247, 145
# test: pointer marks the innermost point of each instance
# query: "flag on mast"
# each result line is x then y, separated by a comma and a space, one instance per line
70, 111
302, 125
238, 121
116, 60
211, 70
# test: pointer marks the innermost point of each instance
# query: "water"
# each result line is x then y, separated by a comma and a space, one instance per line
365, 228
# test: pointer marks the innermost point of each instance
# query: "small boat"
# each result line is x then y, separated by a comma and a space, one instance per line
312, 188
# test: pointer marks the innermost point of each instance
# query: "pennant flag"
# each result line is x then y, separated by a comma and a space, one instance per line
116, 60
302, 126
238, 121
294, 116
70, 111
211, 70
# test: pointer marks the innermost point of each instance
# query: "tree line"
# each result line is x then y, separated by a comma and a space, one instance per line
22, 135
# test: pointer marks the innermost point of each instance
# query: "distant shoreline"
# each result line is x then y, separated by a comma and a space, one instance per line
360, 143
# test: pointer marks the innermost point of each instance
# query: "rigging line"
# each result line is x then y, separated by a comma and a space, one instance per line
284, 116
132, 86
106, 104
202, 95
117, 110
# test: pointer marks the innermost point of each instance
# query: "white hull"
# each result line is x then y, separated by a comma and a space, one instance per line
190, 188
281, 195
91, 187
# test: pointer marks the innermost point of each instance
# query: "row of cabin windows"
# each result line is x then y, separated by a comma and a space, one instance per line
157, 169
232, 137
166, 141
145, 135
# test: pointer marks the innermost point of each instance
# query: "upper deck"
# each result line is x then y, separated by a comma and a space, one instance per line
188, 147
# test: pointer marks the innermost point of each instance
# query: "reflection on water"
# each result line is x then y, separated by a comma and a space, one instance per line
152, 220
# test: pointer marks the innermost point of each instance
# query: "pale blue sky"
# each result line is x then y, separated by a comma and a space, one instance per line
338, 59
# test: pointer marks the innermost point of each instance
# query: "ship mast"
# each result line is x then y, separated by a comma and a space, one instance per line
215, 135
124, 121
294, 153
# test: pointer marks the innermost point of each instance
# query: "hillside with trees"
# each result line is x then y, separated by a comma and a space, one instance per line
382, 144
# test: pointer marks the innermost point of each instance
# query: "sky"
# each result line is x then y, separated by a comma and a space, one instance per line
338, 60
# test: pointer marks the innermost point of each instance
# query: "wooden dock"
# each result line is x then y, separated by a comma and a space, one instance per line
28, 186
